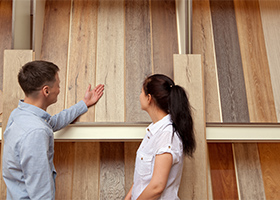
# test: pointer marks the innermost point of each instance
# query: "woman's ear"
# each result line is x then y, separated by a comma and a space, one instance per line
149, 98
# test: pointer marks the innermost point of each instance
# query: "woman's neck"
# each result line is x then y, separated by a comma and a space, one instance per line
156, 114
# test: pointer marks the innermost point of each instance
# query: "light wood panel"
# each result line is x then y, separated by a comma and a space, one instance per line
203, 43
249, 174
188, 73
55, 43
64, 164
13, 61
110, 61
224, 184
138, 57
269, 158
112, 170
86, 170
254, 60
229, 64
164, 35
82, 54
271, 28
5, 40
130, 149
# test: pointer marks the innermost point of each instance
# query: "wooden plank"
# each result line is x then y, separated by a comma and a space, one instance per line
64, 162
110, 61
188, 73
112, 170
164, 35
86, 171
271, 22
13, 61
130, 149
5, 40
138, 63
203, 43
229, 63
224, 185
249, 172
55, 43
82, 54
269, 158
255, 63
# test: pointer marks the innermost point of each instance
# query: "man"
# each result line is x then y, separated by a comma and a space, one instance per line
28, 168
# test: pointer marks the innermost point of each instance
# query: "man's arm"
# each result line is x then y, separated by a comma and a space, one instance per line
92, 96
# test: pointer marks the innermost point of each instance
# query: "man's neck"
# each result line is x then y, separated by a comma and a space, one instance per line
35, 102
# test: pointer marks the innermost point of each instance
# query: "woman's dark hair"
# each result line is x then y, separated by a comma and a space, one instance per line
33, 75
172, 99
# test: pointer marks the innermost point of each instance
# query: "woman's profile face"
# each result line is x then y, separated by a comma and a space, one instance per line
143, 100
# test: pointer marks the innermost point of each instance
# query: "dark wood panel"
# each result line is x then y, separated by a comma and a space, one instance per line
64, 162
203, 43
5, 40
255, 63
112, 184
222, 168
229, 63
249, 172
82, 54
138, 58
164, 35
270, 159
55, 43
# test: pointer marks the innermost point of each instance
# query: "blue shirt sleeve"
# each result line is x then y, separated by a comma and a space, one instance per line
37, 171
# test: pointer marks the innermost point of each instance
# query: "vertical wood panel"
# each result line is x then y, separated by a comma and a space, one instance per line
110, 60
5, 40
188, 73
64, 162
13, 61
164, 35
255, 64
138, 63
224, 184
55, 43
229, 64
249, 171
203, 43
86, 170
112, 170
82, 54
271, 28
269, 157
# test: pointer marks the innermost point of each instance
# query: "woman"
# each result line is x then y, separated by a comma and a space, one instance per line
159, 160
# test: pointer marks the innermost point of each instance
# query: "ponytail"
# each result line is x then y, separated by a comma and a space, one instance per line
180, 111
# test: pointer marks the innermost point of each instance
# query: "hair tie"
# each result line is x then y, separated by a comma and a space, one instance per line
171, 86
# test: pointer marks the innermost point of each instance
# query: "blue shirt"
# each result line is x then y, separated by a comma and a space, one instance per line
28, 168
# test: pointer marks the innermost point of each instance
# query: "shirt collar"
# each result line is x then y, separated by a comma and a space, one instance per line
155, 127
34, 109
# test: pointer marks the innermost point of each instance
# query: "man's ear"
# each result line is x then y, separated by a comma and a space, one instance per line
46, 90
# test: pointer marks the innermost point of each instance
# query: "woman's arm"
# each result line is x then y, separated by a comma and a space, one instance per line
159, 179
128, 196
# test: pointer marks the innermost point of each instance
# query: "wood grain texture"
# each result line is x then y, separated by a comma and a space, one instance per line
164, 35
188, 73
82, 54
269, 158
223, 177
255, 63
86, 170
5, 40
229, 63
112, 170
203, 43
64, 164
13, 61
271, 28
110, 61
130, 149
248, 169
138, 57
55, 43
